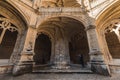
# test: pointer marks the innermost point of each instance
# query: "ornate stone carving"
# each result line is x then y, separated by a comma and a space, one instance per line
6, 24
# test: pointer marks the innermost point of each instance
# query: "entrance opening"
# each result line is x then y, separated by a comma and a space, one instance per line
78, 48
8, 44
69, 43
113, 44
42, 50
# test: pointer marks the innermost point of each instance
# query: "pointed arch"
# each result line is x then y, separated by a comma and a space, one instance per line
10, 16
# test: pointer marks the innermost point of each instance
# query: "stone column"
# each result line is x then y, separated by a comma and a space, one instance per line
97, 60
18, 47
67, 53
52, 51
25, 63
60, 58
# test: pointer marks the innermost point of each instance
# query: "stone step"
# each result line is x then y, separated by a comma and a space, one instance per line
70, 69
63, 71
6, 68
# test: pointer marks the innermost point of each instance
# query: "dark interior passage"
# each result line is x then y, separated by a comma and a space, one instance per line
73, 31
8, 44
113, 44
42, 49
78, 48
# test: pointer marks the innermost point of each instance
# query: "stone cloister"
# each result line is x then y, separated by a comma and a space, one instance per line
36, 35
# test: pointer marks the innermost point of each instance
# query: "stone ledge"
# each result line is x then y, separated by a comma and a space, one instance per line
6, 68
63, 71
60, 9
114, 68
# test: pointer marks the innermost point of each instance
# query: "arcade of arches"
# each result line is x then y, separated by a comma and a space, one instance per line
57, 36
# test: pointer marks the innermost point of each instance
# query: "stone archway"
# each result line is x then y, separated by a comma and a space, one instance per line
105, 23
13, 29
63, 29
8, 36
42, 50
108, 33
112, 37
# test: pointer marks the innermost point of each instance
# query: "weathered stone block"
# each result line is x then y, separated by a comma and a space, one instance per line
100, 69
22, 69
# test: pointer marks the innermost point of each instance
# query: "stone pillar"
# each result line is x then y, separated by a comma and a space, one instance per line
18, 47
25, 64
60, 58
67, 53
97, 60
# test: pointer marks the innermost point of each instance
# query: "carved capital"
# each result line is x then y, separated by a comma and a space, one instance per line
96, 53
97, 56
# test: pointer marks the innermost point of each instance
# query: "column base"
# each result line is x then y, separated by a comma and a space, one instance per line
100, 68
24, 65
60, 65
22, 68
98, 64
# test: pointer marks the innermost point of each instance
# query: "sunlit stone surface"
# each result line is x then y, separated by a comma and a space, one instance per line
61, 36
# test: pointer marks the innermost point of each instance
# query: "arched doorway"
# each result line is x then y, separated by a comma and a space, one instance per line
70, 41
42, 50
78, 49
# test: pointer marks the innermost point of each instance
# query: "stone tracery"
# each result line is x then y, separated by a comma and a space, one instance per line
7, 30
5, 24
112, 35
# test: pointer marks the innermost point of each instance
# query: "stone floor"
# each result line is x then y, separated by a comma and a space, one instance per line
53, 76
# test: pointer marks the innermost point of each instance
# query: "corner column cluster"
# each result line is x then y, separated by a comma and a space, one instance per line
97, 60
